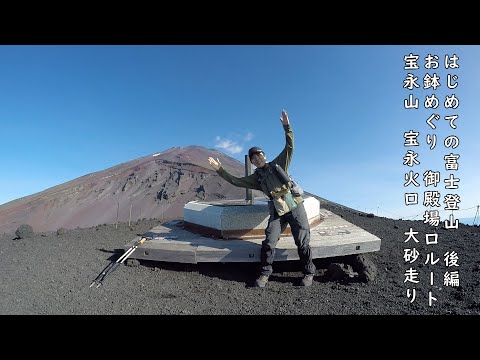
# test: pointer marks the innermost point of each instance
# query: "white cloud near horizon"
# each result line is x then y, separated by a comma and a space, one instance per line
233, 146
229, 146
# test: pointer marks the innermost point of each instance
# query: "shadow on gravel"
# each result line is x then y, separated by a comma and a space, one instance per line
288, 272
116, 254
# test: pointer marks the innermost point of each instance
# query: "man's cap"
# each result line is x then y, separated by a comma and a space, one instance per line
254, 150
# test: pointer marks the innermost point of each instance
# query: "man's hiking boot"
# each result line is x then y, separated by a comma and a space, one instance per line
261, 281
307, 280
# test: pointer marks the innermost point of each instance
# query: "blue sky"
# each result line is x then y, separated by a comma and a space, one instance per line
67, 111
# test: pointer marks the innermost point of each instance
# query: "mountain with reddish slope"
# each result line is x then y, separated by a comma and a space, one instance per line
154, 186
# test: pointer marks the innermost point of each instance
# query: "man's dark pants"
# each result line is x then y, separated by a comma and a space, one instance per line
298, 221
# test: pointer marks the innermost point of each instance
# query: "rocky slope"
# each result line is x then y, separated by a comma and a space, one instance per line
154, 186
51, 274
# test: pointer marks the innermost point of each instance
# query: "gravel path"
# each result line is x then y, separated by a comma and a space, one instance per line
50, 274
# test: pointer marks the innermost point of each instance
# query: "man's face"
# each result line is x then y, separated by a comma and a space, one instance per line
258, 160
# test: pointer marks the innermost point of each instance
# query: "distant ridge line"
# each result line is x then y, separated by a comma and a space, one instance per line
335, 204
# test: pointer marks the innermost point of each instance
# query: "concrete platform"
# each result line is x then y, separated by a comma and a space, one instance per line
237, 219
333, 236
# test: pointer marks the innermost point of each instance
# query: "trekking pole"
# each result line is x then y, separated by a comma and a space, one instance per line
113, 265
110, 267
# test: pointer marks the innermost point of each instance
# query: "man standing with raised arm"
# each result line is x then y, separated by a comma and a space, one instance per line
284, 206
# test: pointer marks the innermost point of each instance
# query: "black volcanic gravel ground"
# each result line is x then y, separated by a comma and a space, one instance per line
50, 274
